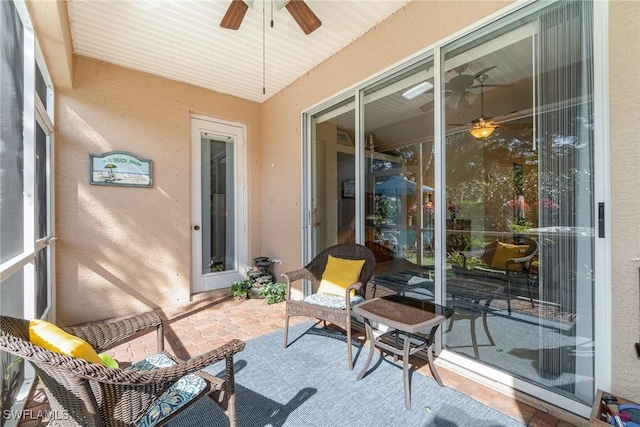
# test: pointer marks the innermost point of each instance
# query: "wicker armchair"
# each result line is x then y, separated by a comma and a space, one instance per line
339, 315
513, 267
85, 394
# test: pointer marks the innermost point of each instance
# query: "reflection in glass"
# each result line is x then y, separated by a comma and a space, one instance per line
218, 204
11, 112
519, 227
399, 169
41, 183
334, 177
42, 285
11, 291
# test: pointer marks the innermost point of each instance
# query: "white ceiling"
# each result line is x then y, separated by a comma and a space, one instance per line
182, 39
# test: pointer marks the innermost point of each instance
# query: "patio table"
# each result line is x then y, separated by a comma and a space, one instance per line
410, 317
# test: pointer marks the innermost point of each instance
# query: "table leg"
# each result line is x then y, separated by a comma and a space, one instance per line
372, 348
405, 371
432, 366
397, 340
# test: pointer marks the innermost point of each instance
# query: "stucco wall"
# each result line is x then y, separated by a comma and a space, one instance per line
624, 71
124, 250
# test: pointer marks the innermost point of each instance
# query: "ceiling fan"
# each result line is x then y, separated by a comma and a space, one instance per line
457, 88
301, 13
457, 93
483, 126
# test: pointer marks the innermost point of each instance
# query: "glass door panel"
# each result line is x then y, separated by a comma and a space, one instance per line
218, 193
520, 206
333, 194
399, 170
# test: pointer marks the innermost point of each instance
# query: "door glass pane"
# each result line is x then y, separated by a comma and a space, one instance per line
218, 203
41, 182
519, 192
41, 86
42, 281
399, 173
11, 127
334, 177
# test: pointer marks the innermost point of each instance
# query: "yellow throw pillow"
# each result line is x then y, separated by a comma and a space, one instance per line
339, 274
505, 251
51, 337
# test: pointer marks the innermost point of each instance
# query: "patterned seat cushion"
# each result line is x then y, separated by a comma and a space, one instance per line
175, 397
332, 301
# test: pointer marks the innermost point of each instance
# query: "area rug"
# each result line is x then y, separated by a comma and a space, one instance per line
309, 384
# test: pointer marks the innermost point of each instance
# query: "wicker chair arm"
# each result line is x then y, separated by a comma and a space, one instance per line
168, 375
356, 286
475, 253
347, 294
292, 276
522, 260
105, 336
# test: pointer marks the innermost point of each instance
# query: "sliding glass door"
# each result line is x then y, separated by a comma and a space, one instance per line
469, 171
520, 215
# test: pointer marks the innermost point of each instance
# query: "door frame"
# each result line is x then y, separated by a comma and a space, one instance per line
205, 282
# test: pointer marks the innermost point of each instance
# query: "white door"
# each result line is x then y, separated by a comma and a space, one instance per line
218, 207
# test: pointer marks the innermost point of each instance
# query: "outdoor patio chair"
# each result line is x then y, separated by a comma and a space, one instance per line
512, 257
147, 393
330, 307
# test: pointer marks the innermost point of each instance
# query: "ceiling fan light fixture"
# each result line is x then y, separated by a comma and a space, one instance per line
417, 90
482, 128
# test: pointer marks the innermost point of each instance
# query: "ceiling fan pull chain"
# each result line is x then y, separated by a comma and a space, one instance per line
272, 3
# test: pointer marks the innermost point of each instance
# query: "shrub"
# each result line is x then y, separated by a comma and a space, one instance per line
241, 288
273, 292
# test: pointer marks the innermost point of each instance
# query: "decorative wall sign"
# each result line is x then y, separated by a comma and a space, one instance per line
120, 168
349, 188
344, 138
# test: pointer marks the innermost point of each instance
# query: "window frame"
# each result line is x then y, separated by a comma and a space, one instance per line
34, 114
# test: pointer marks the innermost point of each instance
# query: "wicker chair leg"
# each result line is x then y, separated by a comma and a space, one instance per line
230, 392
349, 351
286, 330
529, 289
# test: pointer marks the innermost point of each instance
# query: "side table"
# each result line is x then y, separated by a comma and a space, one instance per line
404, 316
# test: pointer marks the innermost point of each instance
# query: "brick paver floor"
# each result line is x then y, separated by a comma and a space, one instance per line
208, 323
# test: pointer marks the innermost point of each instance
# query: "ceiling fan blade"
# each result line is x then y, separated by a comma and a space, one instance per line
481, 72
303, 15
464, 103
234, 15
526, 126
426, 108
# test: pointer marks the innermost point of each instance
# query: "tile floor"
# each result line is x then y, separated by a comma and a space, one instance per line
207, 323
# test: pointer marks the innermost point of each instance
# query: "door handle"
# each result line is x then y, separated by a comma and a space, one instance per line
600, 219
315, 218
196, 227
